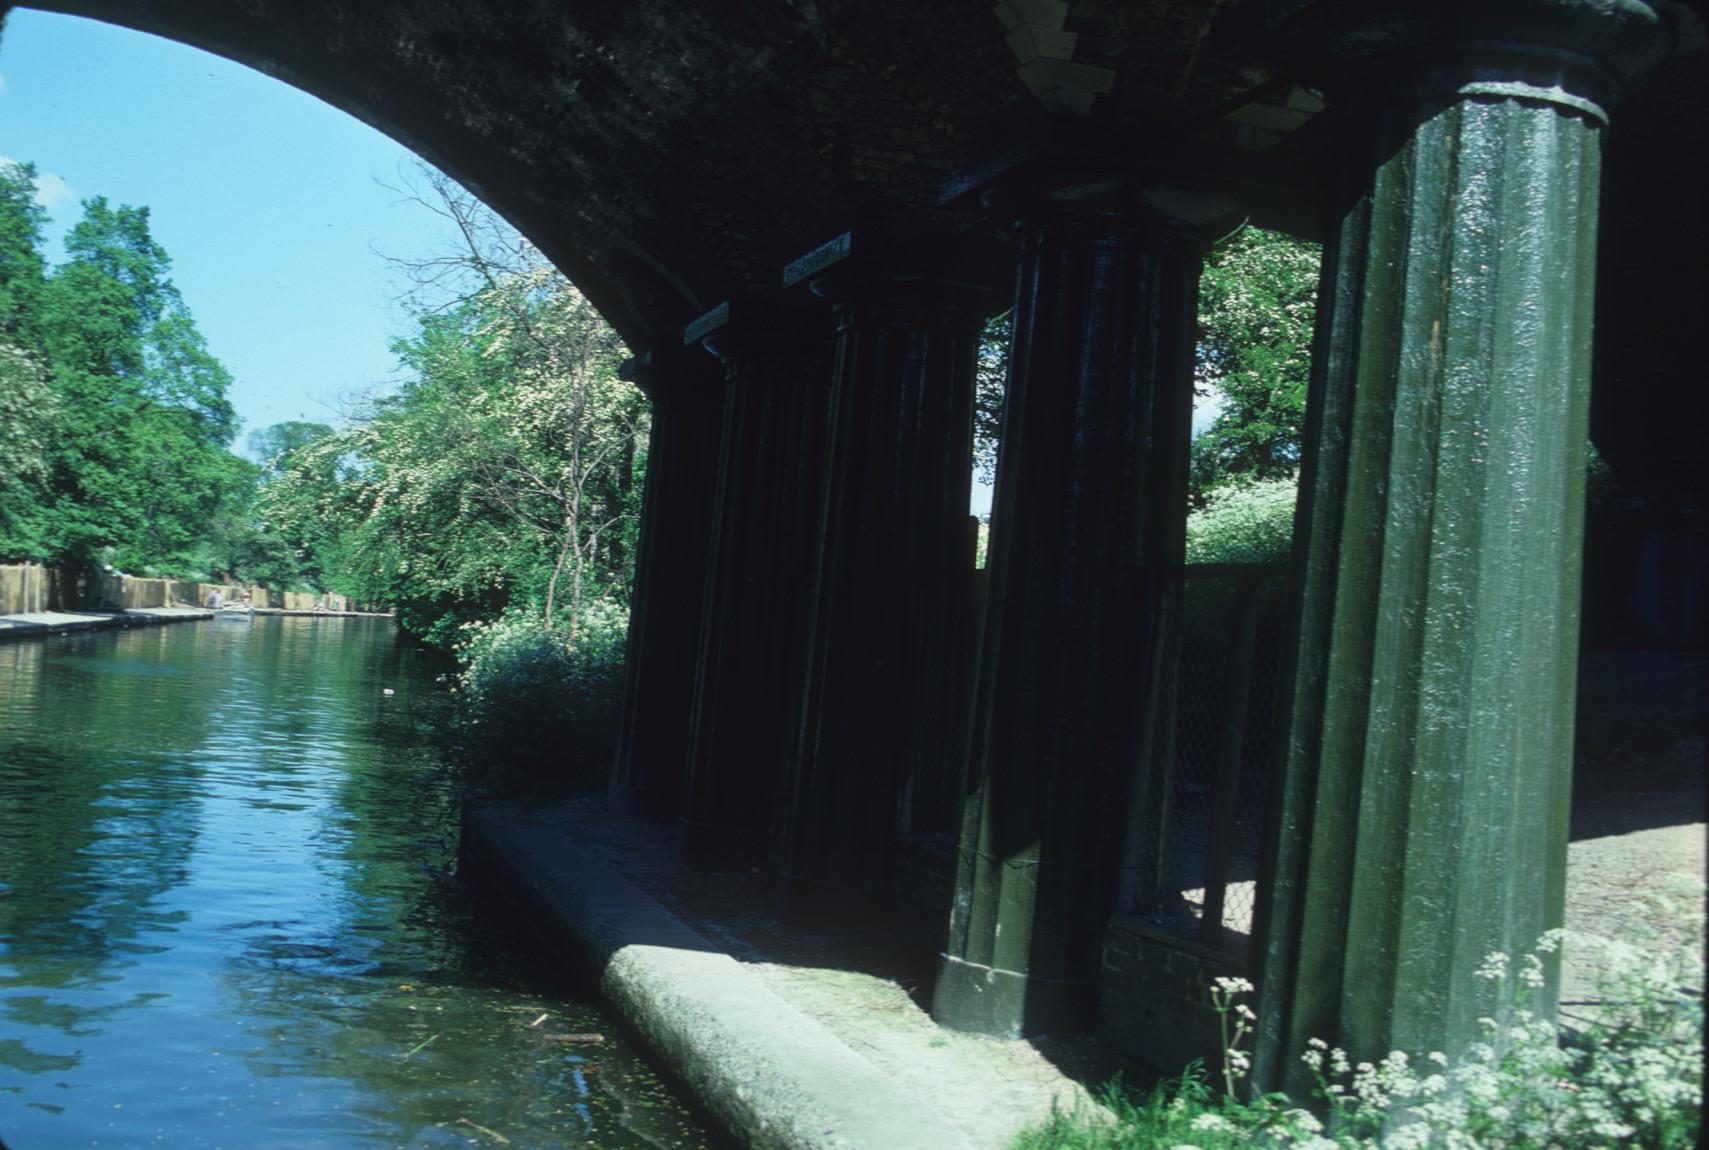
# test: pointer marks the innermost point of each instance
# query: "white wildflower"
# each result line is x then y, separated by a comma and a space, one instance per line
1494, 966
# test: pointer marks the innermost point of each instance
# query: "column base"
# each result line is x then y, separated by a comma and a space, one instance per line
626, 798
1007, 1004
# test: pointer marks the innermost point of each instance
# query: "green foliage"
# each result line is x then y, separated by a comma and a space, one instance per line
28, 414
503, 472
539, 709
991, 381
115, 421
274, 445
22, 269
1257, 311
1244, 524
1632, 1078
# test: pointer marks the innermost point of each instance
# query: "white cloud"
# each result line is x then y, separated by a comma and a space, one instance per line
2, 81
52, 192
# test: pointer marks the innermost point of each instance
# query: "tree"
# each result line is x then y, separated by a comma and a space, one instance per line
502, 472
990, 383
274, 445
1257, 310
28, 413
22, 270
136, 456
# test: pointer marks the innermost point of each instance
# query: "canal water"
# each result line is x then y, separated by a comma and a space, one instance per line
228, 919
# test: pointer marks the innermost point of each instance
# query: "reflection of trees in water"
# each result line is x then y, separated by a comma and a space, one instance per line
98, 818
98, 821
146, 747
401, 961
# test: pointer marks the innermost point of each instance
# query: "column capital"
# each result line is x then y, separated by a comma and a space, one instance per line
665, 374
968, 274
1577, 54
748, 328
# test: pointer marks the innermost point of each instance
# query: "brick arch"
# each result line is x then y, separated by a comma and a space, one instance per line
668, 155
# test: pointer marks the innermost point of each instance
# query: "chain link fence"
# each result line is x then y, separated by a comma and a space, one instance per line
1218, 747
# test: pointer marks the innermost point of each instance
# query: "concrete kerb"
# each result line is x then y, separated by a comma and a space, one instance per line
35, 623
770, 1075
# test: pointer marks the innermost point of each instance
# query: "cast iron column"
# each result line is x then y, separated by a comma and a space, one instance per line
687, 393
1422, 816
895, 527
765, 531
1088, 515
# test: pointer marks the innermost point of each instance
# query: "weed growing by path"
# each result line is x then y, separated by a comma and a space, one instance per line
1632, 1078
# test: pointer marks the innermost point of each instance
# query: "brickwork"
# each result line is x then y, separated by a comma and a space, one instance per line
1154, 1004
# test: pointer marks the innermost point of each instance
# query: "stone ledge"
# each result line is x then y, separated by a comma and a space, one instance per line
766, 1050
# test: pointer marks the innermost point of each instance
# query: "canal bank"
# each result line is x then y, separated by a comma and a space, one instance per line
792, 1038
26, 624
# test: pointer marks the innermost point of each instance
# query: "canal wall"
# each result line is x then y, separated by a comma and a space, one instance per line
30, 588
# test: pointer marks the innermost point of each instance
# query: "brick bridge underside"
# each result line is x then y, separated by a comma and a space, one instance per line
816, 677
670, 156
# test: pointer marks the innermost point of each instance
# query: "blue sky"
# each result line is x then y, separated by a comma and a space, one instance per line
266, 199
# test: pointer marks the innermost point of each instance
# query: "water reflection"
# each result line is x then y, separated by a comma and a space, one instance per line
226, 917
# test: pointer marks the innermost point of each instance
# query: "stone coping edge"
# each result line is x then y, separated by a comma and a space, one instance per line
772, 1077
30, 625
37, 624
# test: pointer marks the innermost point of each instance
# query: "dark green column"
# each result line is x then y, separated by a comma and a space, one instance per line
1088, 513
687, 393
1423, 810
765, 531
895, 530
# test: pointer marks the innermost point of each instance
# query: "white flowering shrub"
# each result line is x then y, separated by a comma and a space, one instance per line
537, 707
1247, 523
1631, 1078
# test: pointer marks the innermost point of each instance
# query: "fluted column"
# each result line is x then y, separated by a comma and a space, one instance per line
895, 530
687, 393
765, 530
1423, 813
1089, 513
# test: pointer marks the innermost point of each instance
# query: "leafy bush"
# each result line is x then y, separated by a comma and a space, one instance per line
539, 711
1248, 523
1632, 1078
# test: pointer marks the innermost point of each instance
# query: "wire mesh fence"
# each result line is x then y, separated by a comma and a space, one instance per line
1217, 748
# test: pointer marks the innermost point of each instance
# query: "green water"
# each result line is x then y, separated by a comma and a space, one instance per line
227, 917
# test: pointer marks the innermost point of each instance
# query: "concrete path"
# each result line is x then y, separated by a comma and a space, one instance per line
784, 1058
56, 622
